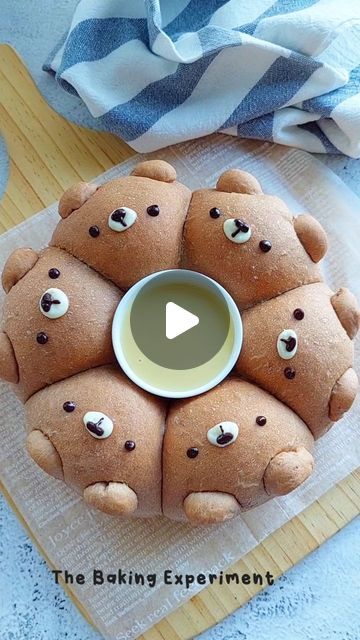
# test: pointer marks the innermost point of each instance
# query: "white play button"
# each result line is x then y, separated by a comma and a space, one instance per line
178, 320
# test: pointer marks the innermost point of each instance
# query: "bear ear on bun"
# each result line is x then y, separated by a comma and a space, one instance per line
18, 264
75, 197
237, 181
156, 170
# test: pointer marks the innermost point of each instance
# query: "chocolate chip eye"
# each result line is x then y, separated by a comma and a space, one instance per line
121, 219
94, 231
298, 314
192, 452
69, 406
265, 245
287, 344
214, 213
261, 421
42, 337
153, 210
289, 373
129, 445
237, 230
54, 273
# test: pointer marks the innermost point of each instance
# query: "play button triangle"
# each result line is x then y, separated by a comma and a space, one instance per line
178, 320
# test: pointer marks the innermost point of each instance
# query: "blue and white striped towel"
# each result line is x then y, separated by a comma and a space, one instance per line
157, 72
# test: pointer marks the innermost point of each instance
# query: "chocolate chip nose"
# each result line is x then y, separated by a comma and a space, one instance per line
224, 437
241, 226
119, 216
290, 343
46, 301
94, 427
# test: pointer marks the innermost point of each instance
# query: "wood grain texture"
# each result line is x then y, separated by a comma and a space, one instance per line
47, 154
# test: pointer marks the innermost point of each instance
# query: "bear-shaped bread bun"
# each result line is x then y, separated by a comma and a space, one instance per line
102, 435
128, 227
250, 242
229, 450
299, 347
56, 321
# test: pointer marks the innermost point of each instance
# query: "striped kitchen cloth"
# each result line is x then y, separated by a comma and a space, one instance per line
157, 72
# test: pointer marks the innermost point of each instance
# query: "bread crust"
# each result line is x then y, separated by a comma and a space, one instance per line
236, 470
249, 273
152, 243
324, 353
111, 477
78, 340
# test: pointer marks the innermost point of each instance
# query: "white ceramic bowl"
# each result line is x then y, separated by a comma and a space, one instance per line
121, 324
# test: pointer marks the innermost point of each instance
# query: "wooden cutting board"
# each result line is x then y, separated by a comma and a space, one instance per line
47, 155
